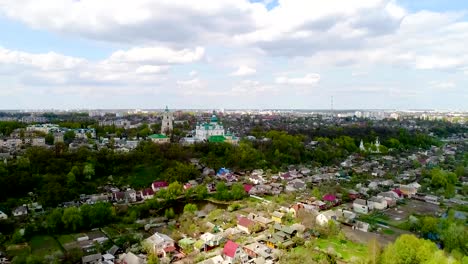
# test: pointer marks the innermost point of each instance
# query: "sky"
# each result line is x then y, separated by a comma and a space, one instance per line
285, 54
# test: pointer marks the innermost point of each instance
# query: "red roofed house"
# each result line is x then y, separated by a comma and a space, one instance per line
245, 224
330, 198
247, 187
156, 186
147, 193
232, 252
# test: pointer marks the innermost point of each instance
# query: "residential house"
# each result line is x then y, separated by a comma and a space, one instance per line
92, 259
324, 217
331, 199
158, 185
377, 203
211, 240
408, 190
277, 217
158, 243
262, 221
363, 226
214, 260
232, 252
147, 193
319, 205
3, 216
108, 258
257, 250
20, 210
245, 224
282, 236
130, 258
38, 142
360, 206
130, 195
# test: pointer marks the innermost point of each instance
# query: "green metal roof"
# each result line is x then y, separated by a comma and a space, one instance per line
215, 139
155, 136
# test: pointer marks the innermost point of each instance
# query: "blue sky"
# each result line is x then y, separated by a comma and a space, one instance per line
233, 54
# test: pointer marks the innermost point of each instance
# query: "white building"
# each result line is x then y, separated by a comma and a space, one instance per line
204, 131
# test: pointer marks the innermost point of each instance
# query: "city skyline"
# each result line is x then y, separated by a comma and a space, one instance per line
144, 54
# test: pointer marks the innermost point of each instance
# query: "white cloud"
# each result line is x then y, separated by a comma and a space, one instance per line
158, 55
309, 79
151, 69
442, 85
193, 73
244, 71
121, 68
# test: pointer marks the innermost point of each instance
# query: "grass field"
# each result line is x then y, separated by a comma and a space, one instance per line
346, 249
44, 245
65, 239
18, 250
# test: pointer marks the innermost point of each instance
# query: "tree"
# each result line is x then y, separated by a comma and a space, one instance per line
69, 136
374, 251
174, 190
54, 221
169, 213
409, 249
316, 193
190, 208
455, 236
429, 225
88, 171
72, 219
237, 191
49, 139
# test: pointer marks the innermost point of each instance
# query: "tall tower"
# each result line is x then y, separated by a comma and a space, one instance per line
166, 125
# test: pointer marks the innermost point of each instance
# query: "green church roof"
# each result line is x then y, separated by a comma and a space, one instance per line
155, 136
216, 139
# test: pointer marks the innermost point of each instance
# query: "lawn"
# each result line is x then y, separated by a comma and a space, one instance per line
44, 245
346, 248
65, 239
18, 250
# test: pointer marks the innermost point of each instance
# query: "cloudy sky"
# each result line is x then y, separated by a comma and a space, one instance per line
234, 54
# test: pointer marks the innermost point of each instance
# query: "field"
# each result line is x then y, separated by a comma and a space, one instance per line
345, 248
44, 245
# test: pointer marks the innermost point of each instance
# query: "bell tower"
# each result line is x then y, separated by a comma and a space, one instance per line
166, 124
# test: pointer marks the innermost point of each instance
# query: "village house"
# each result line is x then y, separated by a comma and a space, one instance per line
158, 185
232, 252
360, 206
158, 243
211, 240
92, 259
324, 217
245, 224
20, 210
262, 221
3, 216
282, 236
214, 260
147, 193
277, 217
377, 203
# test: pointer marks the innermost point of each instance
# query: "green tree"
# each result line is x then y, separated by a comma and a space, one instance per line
54, 221
72, 219
174, 190
316, 193
374, 251
88, 171
190, 208
409, 249
429, 225
69, 136
169, 213
49, 139
455, 236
